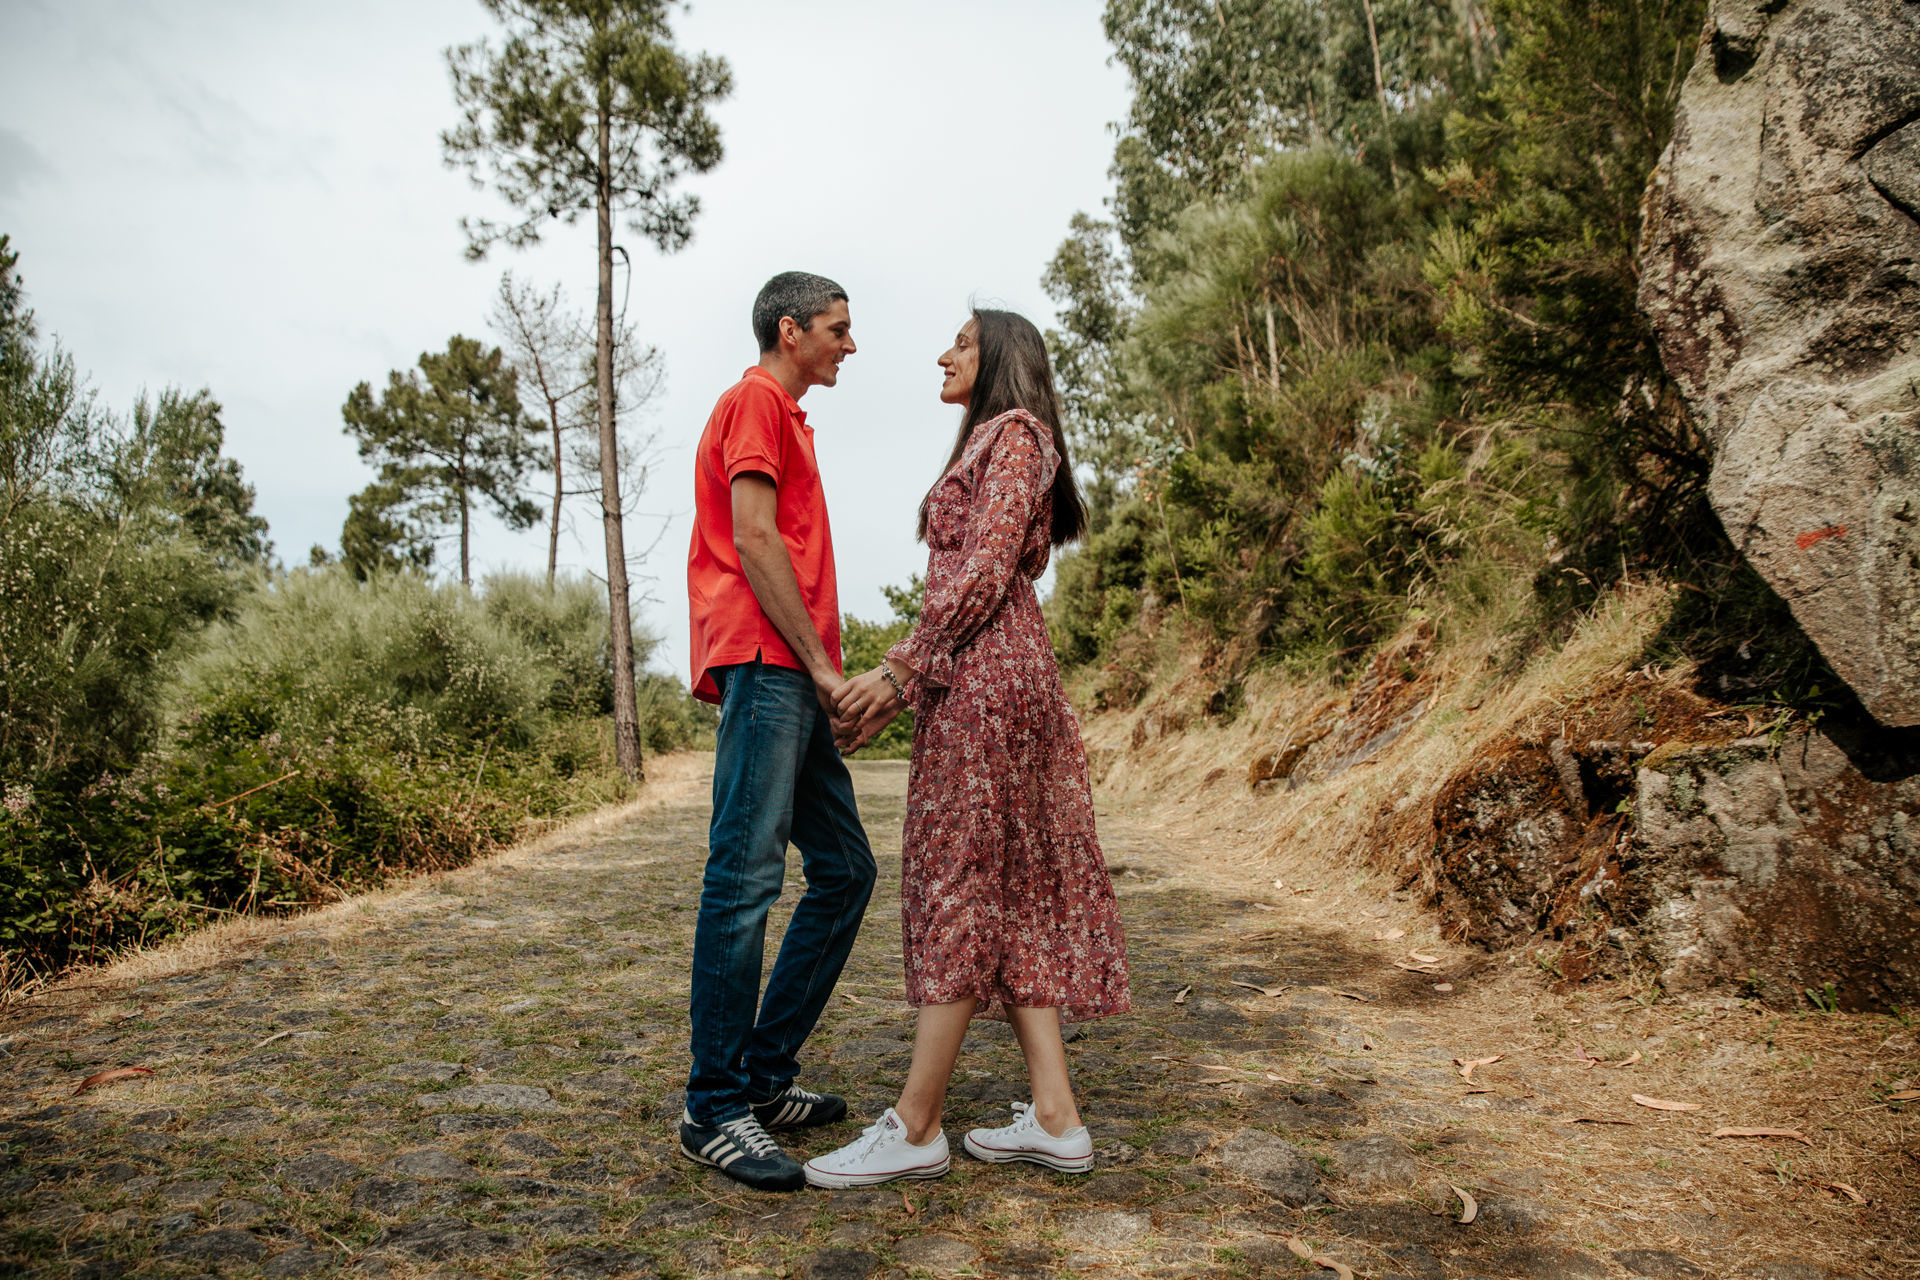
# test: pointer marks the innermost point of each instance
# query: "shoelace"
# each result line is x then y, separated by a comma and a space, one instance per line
871, 1137
1022, 1118
751, 1137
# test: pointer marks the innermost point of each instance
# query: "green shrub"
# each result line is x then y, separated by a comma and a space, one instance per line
330, 735
184, 735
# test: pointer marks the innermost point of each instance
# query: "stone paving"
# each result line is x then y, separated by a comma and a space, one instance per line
477, 1076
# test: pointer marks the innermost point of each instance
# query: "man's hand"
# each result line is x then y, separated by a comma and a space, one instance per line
826, 687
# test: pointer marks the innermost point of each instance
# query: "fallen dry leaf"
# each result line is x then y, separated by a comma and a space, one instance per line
1466, 1066
907, 1204
278, 1035
851, 998
1265, 906
1349, 995
1279, 884
1729, 1131
1844, 1190
1265, 991
1416, 968
1661, 1104
1182, 997
1299, 1249
1599, 1120
1626, 1062
99, 1078
1904, 1095
1423, 959
1469, 1207
1444, 988
1390, 935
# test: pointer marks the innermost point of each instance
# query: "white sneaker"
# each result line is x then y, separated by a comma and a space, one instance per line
1024, 1139
881, 1154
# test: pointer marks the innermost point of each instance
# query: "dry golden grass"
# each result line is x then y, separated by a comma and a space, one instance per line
1316, 857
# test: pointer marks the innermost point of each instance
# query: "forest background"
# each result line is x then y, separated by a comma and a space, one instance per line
1353, 342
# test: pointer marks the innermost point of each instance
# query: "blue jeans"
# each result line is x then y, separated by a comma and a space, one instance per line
776, 776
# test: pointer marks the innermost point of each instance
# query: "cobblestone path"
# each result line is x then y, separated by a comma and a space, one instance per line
477, 1076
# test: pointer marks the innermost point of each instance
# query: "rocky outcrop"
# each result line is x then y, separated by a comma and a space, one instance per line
1394, 691
1787, 865
1781, 272
1650, 828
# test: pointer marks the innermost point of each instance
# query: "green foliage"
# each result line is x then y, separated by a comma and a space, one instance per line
864, 644
1219, 84
583, 93
332, 733
1536, 271
442, 443
118, 540
1323, 371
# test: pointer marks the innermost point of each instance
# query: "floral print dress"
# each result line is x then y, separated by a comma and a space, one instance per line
1004, 892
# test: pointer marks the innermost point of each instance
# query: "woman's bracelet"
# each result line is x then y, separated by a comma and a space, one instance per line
898, 690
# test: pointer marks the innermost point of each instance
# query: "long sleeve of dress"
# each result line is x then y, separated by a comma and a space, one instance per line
1016, 475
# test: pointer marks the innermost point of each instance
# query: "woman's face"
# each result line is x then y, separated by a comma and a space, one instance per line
961, 362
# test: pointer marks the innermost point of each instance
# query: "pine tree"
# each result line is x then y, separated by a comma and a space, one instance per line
587, 106
442, 442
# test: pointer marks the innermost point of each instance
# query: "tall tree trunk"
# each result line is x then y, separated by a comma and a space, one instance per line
559, 492
626, 711
1380, 87
466, 528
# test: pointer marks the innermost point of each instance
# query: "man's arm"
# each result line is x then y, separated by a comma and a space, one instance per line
769, 569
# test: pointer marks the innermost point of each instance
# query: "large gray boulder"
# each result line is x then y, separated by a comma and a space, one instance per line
1786, 866
1781, 272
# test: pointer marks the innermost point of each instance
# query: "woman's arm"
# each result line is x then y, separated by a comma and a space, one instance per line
1017, 474
1016, 477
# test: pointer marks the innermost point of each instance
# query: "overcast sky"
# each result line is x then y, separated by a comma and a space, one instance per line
251, 198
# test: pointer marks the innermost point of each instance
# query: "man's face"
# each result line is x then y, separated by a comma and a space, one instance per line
822, 345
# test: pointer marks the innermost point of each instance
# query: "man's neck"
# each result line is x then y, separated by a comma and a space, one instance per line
784, 373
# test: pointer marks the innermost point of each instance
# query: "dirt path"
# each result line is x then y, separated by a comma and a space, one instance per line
477, 1076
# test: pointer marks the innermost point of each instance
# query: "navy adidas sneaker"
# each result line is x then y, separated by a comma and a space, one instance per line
798, 1108
742, 1150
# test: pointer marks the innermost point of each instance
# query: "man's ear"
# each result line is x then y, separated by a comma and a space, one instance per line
789, 333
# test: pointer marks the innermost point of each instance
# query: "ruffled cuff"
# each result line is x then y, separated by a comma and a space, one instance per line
931, 669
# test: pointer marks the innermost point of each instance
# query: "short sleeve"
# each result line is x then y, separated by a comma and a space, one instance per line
753, 434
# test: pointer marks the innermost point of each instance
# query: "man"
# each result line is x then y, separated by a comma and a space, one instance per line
766, 647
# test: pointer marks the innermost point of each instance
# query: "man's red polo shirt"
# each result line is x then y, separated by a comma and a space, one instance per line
756, 426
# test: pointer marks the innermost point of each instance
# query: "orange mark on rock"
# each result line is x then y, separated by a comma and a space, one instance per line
1812, 536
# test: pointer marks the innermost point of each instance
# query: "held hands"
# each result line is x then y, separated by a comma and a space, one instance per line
864, 706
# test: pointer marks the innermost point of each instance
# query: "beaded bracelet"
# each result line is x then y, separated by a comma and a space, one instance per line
899, 691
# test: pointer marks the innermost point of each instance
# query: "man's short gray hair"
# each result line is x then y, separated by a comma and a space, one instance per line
799, 294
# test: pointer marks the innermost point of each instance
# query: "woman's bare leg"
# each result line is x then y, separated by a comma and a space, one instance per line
1039, 1034
936, 1047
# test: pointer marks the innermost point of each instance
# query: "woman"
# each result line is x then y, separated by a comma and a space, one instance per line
1006, 906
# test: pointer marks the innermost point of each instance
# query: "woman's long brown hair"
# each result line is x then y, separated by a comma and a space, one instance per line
1014, 373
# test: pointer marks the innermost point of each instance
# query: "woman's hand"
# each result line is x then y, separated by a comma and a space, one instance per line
864, 706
